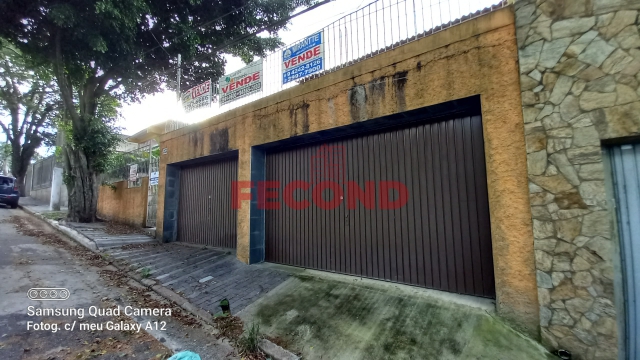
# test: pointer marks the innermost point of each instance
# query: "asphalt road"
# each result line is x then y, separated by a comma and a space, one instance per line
31, 261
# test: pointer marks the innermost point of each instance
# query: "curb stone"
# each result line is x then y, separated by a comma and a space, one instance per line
74, 235
274, 351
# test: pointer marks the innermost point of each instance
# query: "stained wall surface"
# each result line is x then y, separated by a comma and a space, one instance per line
124, 205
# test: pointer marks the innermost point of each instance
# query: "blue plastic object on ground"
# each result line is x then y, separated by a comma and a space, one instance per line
185, 355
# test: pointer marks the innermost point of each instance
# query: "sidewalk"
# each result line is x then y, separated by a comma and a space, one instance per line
38, 206
93, 232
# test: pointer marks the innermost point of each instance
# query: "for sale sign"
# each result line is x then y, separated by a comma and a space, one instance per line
303, 58
197, 97
133, 172
244, 82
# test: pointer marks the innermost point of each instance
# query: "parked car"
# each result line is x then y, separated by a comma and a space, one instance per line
9, 192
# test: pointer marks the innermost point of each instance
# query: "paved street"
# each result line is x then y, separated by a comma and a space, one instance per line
34, 256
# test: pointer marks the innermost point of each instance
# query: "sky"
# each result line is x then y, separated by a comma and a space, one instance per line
164, 106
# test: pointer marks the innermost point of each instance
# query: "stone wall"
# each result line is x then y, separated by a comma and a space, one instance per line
476, 57
579, 64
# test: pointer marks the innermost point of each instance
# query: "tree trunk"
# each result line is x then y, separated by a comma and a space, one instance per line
20, 159
21, 185
82, 186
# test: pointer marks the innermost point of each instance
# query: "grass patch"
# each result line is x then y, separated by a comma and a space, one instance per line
55, 215
145, 273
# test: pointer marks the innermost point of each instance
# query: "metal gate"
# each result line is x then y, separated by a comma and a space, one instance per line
440, 238
205, 214
625, 161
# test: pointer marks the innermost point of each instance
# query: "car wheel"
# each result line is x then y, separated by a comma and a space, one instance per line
14, 205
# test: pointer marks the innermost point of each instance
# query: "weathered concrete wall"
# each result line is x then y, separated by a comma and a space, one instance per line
45, 195
125, 205
579, 64
475, 57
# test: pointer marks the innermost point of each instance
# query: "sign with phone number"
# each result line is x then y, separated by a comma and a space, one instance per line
302, 71
304, 58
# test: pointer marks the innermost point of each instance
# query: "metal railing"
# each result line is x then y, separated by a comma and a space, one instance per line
378, 27
122, 162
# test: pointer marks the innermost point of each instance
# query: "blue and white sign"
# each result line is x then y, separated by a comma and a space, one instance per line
154, 178
303, 58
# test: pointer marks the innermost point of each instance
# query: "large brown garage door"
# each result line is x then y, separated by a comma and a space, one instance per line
440, 238
205, 214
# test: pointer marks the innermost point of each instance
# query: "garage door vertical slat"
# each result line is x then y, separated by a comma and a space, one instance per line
340, 220
289, 245
483, 210
456, 150
402, 211
412, 212
365, 214
429, 225
472, 170
438, 209
467, 270
417, 185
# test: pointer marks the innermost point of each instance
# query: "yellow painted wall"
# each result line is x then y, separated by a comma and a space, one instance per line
125, 205
477, 57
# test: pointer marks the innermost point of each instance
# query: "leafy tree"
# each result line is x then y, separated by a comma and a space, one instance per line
29, 101
127, 49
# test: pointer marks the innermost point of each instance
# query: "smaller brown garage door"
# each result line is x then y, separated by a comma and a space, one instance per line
205, 215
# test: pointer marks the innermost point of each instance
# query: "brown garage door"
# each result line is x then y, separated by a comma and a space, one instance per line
205, 214
440, 238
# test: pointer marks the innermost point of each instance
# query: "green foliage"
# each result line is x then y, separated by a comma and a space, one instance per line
29, 102
248, 342
119, 39
145, 273
110, 185
98, 138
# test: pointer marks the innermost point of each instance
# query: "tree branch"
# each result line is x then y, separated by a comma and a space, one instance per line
66, 89
6, 131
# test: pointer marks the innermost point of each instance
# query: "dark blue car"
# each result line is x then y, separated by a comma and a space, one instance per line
9, 192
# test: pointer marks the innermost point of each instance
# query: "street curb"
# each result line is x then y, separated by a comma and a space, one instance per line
74, 235
274, 351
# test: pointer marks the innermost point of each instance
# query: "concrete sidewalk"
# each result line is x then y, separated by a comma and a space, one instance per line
93, 232
202, 275
37, 206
